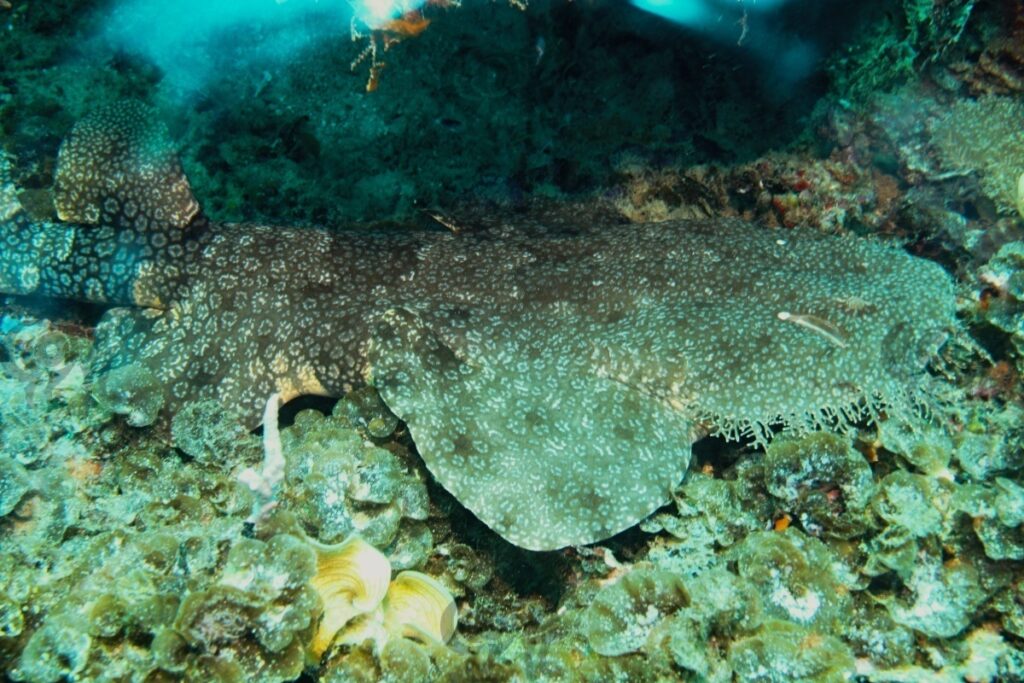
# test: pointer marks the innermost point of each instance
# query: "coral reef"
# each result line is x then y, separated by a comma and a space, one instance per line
338, 484
896, 43
175, 590
1004, 274
880, 545
886, 525
985, 136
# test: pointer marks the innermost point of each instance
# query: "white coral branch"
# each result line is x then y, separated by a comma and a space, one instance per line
266, 482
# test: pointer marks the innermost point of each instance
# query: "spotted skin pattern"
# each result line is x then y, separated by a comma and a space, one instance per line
553, 371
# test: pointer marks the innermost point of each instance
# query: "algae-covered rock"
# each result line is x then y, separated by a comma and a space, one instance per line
338, 484
727, 604
997, 516
1005, 274
357, 665
872, 634
219, 621
940, 597
259, 617
912, 509
982, 655
404, 660
1010, 604
798, 578
723, 608
631, 667
783, 651
401, 660
912, 502
892, 549
26, 436
56, 652
42, 390
982, 455
710, 514
204, 431
147, 606
284, 563
466, 566
14, 484
132, 391
12, 620
684, 639
992, 442
364, 408
928, 449
411, 546
822, 481
623, 615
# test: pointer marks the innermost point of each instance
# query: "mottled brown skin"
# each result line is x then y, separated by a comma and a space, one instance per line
552, 371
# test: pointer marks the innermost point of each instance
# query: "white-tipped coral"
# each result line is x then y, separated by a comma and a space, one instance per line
361, 602
352, 578
266, 482
1020, 195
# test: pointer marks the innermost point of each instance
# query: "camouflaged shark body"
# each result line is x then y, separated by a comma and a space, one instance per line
552, 373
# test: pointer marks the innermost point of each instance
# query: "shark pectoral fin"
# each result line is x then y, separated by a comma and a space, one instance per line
126, 344
545, 452
118, 167
186, 363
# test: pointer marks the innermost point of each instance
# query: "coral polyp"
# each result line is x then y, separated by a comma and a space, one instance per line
361, 602
352, 579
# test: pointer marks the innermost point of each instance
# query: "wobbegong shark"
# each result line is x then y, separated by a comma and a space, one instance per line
553, 372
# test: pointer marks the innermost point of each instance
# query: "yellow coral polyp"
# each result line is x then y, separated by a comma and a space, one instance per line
419, 607
361, 602
352, 578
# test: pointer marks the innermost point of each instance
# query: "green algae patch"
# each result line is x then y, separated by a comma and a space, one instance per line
940, 598
784, 651
798, 578
337, 484
624, 614
822, 481
997, 516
